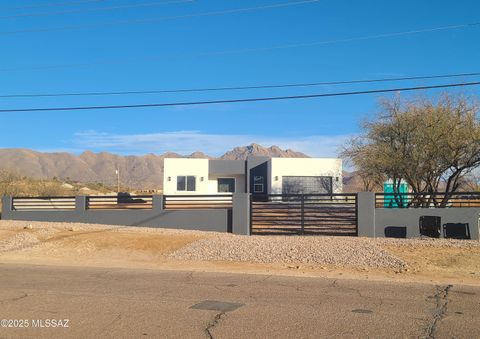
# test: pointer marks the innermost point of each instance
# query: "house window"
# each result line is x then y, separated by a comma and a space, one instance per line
258, 182
226, 185
186, 183
307, 185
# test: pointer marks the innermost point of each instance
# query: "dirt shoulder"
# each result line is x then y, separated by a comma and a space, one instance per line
65, 244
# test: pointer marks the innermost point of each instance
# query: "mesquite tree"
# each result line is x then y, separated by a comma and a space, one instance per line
431, 144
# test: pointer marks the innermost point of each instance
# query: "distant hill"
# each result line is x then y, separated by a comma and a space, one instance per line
140, 172
240, 153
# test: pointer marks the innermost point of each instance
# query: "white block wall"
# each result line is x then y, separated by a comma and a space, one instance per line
175, 167
278, 167
199, 168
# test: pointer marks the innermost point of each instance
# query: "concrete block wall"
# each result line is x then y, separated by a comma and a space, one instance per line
241, 213
218, 220
372, 222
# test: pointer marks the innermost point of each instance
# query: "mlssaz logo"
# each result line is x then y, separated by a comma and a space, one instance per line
46, 323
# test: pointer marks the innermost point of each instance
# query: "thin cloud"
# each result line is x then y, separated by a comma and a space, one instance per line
187, 142
60, 150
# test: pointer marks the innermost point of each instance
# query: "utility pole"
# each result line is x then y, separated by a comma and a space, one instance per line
117, 172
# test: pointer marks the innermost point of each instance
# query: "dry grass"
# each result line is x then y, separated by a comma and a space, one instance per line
454, 261
155, 244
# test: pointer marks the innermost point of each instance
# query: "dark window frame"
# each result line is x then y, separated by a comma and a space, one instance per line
188, 180
258, 183
234, 185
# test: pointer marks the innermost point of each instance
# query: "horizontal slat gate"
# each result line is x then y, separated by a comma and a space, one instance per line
304, 214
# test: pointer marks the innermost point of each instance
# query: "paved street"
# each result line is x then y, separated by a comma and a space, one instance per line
100, 303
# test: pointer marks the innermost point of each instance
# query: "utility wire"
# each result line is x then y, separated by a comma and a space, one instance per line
225, 101
239, 88
165, 18
74, 11
245, 50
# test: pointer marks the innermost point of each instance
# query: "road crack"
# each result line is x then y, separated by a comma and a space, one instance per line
24, 295
335, 284
212, 324
441, 300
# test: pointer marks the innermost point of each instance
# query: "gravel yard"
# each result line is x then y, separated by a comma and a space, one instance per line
338, 251
18, 241
106, 245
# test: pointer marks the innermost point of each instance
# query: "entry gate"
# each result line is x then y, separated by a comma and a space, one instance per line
316, 214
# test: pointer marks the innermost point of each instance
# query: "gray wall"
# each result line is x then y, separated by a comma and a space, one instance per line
373, 221
409, 218
230, 167
366, 214
219, 220
241, 214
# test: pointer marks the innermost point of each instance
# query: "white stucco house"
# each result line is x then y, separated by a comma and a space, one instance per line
256, 175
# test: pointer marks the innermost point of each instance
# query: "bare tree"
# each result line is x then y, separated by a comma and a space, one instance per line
430, 144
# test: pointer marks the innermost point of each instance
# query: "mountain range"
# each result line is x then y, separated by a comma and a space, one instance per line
139, 172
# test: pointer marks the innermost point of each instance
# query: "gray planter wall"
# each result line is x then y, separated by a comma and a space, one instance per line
372, 221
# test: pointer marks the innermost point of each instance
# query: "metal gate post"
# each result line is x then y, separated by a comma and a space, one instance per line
303, 213
356, 214
251, 213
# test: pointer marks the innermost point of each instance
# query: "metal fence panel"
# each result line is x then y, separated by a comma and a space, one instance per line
215, 201
119, 202
43, 203
321, 214
427, 200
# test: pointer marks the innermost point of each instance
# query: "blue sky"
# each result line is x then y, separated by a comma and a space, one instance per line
182, 53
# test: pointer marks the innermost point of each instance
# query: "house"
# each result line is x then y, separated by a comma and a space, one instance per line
256, 175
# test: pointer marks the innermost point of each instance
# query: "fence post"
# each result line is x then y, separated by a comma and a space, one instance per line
81, 203
241, 213
157, 202
366, 214
303, 213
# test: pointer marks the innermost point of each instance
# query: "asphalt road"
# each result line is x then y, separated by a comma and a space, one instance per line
125, 303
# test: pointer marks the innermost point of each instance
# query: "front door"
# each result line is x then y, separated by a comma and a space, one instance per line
259, 181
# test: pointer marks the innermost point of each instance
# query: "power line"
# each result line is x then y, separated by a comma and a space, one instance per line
238, 88
74, 11
185, 16
247, 50
225, 101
